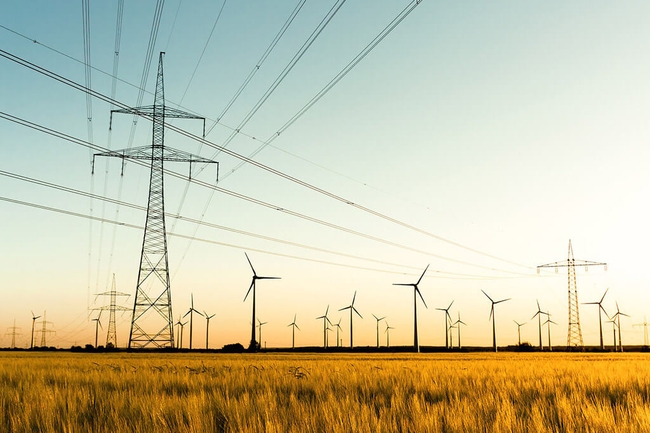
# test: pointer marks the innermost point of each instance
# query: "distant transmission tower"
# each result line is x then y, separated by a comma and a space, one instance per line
574, 336
13, 331
152, 323
44, 331
111, 335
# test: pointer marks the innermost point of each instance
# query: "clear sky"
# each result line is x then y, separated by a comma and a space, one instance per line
506, 127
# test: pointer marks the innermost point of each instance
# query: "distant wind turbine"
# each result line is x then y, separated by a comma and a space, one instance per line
191, 312
448, 324
388, 328
352, 309
260, 326
519, 325
253, 344
294, 326
617, 317
494, 320
181, 325
538, 314
548, 325
326, 320
31, 345
97, 325
207, 326
416, 292
378, 319
458, 323
600, 320
613, 322
338, 329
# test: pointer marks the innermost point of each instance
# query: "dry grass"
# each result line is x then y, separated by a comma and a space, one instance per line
65, 392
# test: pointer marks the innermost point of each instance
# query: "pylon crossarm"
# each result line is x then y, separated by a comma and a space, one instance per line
147, 112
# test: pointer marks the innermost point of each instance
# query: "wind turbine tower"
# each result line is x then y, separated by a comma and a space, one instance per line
645, 330
352, 309
494, 320
97, 325
378, 319
548, 326
617, 317
448, 324
600, 320
34, 317
191, 312
253, 346
326, 320
458, 324
538, 314
294, 326
207, 327
152, 322
416, 292
388, 328
574, 334
519, 325
111, 335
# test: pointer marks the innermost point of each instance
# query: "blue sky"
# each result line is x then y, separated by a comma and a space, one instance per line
506, 127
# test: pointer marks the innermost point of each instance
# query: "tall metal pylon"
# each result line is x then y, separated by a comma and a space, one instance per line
152, 323
112, 307
14, 330
44, 331
574, 335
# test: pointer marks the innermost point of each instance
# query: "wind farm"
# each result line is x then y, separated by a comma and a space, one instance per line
273, 158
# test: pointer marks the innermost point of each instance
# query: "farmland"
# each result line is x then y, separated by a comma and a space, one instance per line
505, 392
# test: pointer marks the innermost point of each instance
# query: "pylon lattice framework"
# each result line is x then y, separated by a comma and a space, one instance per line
111, 335
152, 322
574, 334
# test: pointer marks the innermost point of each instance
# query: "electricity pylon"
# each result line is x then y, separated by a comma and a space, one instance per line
152, 322
112, 307
44, 331
13, 332
574, 335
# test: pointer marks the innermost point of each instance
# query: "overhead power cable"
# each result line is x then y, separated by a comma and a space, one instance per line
249, 199
210, 241
264, 167
121, 203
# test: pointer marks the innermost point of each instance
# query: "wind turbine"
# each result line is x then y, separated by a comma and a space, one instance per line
260, 326
447, 323
548, 326
613, 322
416, 291
538, 314
180, 332
338, 329
97, 325
326, 320
494, 320
293, 325
645, 330
617, 317
378, 320
519, 325
31, 345
458, 323
352, 309
600, 320
191, 312
388, 328
253, 344
207, 326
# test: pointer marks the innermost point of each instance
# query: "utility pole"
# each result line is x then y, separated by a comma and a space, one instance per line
152, 322
13, 331
574, 334
112, 307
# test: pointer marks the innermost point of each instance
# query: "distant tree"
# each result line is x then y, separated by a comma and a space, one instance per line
233, 348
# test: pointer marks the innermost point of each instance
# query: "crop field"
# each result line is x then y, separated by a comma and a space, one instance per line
505, 392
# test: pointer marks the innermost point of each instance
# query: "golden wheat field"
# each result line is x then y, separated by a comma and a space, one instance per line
505, 392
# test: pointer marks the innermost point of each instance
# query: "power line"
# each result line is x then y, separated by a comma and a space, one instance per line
212, 225
264, 167
80, 142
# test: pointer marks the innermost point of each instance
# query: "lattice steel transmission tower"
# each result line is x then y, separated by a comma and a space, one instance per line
112, 307
44, 331
13, 331
574, 336
152, 323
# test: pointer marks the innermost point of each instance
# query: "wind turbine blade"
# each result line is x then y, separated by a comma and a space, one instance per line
422, 276
488, 296
328, 320
358, 314
503, 300
403, 284
538, 307
354, 297
345, 308
249, 262
188, 312
376, 318
249, 289
294, 318
382, 318
421, 297
601, 299
452, 303
327, 310
269, 278
591, 303
192, 300
491, 312
297, 327
535, 315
